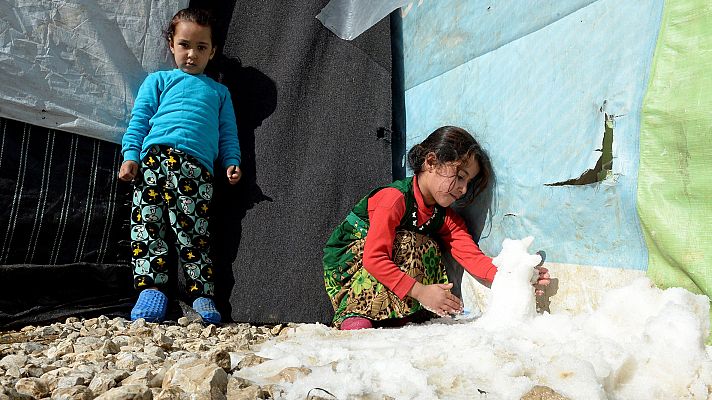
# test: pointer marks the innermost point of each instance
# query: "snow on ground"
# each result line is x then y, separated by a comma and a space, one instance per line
641, 343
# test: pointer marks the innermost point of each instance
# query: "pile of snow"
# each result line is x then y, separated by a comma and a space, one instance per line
641, 343
511, 296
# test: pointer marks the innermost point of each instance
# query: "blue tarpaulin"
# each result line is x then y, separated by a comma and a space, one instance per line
536, 82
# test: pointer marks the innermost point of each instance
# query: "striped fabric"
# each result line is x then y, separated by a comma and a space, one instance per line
61, 200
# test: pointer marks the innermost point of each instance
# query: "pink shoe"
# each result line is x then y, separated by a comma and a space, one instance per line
354, 323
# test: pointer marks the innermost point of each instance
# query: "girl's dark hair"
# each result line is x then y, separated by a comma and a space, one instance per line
196, 15
453, 144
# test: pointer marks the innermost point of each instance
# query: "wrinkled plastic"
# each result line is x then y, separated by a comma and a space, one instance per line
675, 179
76, 65
350, 18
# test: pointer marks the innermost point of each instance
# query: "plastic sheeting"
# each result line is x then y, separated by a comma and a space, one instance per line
350, 18
76, 65
675, 180
438, 45
538, 100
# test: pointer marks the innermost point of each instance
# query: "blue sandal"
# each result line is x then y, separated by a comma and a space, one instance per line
151, 306
206, 308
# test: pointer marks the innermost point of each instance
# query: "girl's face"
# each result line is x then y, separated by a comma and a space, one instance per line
192, 47
443, 184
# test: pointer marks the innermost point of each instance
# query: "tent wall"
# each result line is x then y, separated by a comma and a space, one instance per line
62, 223
314, 121
60, 196
540, 95
597, 116
675, 180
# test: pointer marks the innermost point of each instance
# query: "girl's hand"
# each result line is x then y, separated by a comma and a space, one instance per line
437, 298
542, 280
128, 170
234, 173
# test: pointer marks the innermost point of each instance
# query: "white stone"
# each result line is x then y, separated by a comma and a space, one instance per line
13, 360
128, 392
60, 349
34, 387
101, 383
72, 393
198, 377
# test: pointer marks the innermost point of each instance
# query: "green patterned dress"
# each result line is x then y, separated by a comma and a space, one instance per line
353, 290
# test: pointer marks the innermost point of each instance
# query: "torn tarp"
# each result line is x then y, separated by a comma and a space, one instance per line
76, 65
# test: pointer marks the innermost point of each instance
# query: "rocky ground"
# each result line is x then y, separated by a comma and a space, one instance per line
102, 358
118, 359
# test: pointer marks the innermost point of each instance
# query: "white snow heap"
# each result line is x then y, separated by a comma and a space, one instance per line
641, 342
512, 295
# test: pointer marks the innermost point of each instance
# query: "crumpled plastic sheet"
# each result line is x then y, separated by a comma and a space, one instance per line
76, 66
350, 18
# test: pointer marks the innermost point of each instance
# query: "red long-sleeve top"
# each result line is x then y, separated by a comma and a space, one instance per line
385, 211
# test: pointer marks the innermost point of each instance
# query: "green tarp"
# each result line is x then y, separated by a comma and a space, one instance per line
675, 177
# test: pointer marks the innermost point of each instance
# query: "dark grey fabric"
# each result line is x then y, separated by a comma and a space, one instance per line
314, 120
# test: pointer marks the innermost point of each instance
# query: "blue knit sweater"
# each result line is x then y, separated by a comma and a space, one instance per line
191, 113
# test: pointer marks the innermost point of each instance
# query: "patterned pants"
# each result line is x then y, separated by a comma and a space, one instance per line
358, 293
172, 190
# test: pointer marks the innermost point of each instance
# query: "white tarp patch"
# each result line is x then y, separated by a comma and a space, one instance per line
76, 66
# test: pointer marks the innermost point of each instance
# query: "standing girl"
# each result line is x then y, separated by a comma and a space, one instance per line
382, 264
181, 123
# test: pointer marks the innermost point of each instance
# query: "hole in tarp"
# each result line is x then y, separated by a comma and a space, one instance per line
384, 133
603, 166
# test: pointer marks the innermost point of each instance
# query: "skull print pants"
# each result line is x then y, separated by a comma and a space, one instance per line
172, 191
